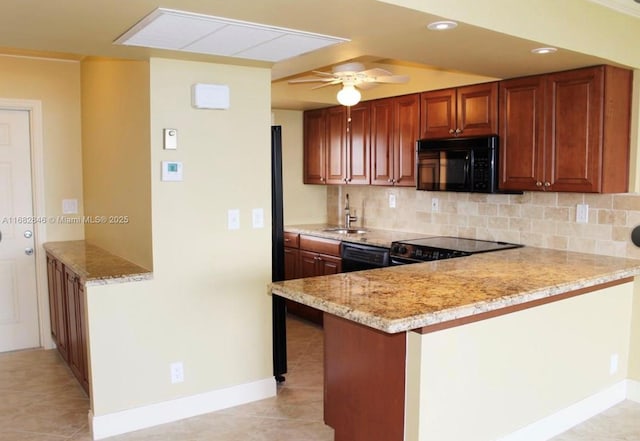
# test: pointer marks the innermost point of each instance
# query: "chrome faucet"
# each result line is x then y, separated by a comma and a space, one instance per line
348, 218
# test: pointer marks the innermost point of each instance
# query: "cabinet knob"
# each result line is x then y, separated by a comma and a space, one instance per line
451, 131
538, 184
547, 184
458, 131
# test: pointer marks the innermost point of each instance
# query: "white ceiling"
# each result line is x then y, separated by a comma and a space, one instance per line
381, 34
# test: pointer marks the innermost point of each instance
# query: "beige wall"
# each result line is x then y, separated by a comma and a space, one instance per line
116, 157
302, 203
537, 219
57, 85
634, 344
207, 304
505, 373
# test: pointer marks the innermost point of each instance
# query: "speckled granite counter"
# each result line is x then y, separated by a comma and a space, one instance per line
371, 237
94, 265
402, 298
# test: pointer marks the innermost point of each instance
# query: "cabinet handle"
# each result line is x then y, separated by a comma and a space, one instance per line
458, 131
547, 184
451, 131
538, 184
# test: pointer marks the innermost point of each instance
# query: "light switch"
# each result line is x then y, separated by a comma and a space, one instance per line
170, 139
233, 219
69, 206
257, 215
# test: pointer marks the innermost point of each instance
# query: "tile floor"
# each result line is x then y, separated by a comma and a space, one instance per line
41, 401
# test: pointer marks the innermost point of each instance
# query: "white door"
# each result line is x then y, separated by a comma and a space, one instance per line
19, 327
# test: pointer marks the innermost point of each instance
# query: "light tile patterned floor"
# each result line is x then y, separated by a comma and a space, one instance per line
41, 401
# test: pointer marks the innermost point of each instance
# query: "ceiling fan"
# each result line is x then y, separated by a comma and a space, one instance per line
352, 75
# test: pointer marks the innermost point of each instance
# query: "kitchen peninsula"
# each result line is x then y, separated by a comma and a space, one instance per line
501, 341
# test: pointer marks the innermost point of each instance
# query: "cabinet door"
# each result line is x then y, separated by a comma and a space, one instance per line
358, 148
382, 142
53, 297
314, 147
328, 265
74, 314
406, 131
84, 368
574, 130
291, 258
308, 264
437, 113
522, 133
62, 334
477, 109
335, 147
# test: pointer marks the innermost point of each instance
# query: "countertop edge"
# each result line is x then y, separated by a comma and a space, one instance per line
60, 250
418, 321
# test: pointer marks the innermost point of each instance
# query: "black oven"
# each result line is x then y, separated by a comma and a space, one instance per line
458, 164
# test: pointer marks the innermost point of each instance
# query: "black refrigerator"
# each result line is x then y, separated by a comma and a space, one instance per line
279, 310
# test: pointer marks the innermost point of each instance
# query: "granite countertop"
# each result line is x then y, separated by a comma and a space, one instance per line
372, 236
94, 265
402, 298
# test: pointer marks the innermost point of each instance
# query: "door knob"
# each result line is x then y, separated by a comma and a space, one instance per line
28, 251
28, 234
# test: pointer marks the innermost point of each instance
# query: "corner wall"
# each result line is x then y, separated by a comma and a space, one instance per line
116, 156
207, 305
303, 204
56, 83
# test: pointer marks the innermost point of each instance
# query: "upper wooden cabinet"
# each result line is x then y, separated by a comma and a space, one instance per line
336, 145
394, 132
462, 111
566, 131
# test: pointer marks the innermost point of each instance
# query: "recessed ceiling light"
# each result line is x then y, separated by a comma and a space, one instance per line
442, 25
544, 50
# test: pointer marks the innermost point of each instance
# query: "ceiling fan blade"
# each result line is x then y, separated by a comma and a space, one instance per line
310, 80
336, 81
376, 72
324, 74
364, 86
396, 79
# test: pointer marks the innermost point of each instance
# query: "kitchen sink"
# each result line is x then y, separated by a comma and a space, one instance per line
346, 230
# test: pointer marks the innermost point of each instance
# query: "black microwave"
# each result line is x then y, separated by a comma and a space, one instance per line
458, 164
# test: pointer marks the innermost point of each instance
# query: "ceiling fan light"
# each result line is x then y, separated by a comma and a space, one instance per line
349, 95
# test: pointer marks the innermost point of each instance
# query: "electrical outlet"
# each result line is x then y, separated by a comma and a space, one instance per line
257, 216
392, 201
582, 213
435, 204
177, 372
613, 364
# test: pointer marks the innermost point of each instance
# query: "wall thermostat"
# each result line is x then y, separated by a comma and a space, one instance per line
171, 171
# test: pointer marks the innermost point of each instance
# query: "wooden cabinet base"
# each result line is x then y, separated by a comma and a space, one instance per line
364, 381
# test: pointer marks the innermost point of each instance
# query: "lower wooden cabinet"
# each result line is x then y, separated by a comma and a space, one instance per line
309, 256
66, 310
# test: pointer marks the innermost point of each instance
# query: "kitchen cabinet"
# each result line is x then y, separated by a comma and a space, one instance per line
315, 256
291, 256
66, 309
394, 132
566, 131
336, 145
462, 111
57, 305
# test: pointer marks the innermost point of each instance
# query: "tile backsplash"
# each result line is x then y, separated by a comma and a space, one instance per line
539, 219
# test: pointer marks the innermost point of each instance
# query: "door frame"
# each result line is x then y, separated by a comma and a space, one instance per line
34, 107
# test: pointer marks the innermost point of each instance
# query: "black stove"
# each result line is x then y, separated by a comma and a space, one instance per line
442, 247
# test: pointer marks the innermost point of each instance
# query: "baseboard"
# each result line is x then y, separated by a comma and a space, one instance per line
633, 390
117, 423
565, 419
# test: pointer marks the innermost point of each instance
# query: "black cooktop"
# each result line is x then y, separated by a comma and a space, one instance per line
470, 246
